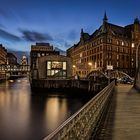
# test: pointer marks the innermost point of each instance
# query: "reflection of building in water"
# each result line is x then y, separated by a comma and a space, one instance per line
46, 63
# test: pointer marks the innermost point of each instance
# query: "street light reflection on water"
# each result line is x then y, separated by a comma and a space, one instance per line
26, 116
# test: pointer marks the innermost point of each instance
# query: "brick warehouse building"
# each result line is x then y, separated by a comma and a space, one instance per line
3, 55
109, 45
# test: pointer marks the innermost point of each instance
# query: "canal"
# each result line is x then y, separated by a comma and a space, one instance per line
27, 115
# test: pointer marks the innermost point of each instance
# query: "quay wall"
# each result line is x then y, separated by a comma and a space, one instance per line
66, 84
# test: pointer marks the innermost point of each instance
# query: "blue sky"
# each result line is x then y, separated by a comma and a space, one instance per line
25, 22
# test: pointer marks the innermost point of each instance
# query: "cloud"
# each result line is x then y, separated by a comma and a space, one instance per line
34, 36
2, 26
62, 43
8, 36
73, 35
67, 45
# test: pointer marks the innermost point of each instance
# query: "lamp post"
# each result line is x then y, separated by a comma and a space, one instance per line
109, 68
90, 64
137, 49
74, 69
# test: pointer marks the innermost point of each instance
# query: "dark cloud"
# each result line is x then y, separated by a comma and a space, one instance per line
62, 52
34, 36
73, 35
67, 45
8, 36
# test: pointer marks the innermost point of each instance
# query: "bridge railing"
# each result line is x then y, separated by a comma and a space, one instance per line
82, 124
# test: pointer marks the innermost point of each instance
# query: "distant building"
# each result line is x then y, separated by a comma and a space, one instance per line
46, 63
24, 60
11, 59
3, 54
109, 45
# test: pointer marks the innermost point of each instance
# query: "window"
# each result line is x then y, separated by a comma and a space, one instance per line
38, 54
133, 45
49, 65
64, 66
56, 69
117, 49
101, 40
117, 64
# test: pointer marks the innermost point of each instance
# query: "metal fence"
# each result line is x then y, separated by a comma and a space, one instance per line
82, 124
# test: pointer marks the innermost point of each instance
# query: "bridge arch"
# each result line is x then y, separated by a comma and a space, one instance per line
119, 75
96, 73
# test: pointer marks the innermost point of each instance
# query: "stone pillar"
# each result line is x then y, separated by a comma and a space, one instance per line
137, 78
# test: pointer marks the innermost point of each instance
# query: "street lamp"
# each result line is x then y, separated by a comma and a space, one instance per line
90, 64
137, 49
74, 69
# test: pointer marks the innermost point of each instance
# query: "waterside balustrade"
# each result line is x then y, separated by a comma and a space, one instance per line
84, 123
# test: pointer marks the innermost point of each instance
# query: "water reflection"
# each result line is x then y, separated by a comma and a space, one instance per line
27, 116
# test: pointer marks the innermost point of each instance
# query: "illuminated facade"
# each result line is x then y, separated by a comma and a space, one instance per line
3, 59
24, 60
3, 55
11, 59
109, 45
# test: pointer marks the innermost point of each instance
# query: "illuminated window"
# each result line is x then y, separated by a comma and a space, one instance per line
49, 65
133, 45
64, 66
56, 69
81, 55
38, 54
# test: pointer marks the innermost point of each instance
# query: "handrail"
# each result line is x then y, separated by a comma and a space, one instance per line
81, 124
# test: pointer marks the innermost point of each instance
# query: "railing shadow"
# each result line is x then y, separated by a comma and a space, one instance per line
106, 128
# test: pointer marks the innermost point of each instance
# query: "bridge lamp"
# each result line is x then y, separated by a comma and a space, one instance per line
89, 63
74, 66
74, 69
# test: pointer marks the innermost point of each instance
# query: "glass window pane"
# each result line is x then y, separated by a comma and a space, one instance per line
52, 72
48, 73
64, 66
64, 73
49, 65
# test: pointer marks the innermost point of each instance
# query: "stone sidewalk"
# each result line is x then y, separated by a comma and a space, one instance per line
123, 118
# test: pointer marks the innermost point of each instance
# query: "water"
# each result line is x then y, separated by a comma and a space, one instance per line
28, 116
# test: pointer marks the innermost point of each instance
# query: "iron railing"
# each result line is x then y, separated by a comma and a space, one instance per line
82, 124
